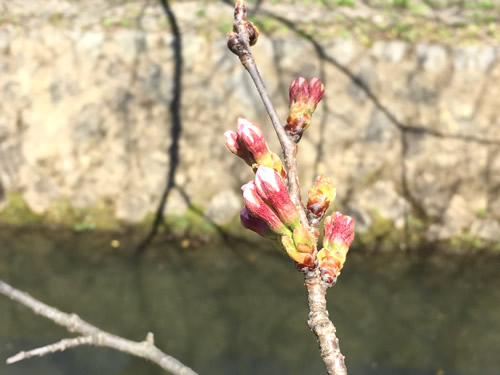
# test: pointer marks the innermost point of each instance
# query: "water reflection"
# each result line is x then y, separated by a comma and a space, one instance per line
242, 311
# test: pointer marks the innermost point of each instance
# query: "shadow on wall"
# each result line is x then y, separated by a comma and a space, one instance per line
175, 125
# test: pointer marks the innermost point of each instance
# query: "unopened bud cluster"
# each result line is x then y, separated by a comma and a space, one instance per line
304, 98
269, 210
339, 234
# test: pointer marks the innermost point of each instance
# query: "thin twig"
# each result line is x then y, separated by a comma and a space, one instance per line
91, 335
59, 346
322, 326
318, 321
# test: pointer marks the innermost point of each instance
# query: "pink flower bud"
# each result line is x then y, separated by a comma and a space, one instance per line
299, 90
255, 224
339, 234
234, 145
271, 187
304, 98
232, 141
339, 231
316, 91
321, 195
258, 208
249, 144
253, 138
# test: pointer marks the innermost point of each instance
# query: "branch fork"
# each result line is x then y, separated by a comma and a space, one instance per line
89, 335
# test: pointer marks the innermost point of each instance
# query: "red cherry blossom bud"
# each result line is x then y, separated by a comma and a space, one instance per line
253, 138
234, 145
316, 91
232, 141
258, 208
304, 98
255, 224
339, 234
299, 90
339, 231
249, 144
271, 187
305, 261
321, 195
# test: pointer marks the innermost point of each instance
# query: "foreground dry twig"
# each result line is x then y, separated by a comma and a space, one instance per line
90, 335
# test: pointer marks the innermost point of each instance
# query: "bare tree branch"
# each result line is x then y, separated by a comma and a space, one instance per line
322, 326
59, 346
91, 335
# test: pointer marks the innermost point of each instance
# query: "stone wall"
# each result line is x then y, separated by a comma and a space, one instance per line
410, 133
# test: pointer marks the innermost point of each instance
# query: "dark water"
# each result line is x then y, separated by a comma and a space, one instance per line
242, 310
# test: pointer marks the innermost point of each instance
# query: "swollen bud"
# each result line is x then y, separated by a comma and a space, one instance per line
235, 145
253, 32
255, 224
316, 91
339, 234
321, 195
235, 44
304, 98
272, 189
249, 144
299, 90
339, 231
259, 209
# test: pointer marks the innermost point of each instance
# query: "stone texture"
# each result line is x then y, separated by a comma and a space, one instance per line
486, 229
455, 220
380, 199
85, 117
224, 206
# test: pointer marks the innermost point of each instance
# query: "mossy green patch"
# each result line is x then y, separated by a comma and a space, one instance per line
17, 212
101, 216
381, 234
468, 242
481, 213
60, 213
384, 235
192, 224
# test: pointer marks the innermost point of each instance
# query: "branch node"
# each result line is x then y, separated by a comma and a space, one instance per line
150, 338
